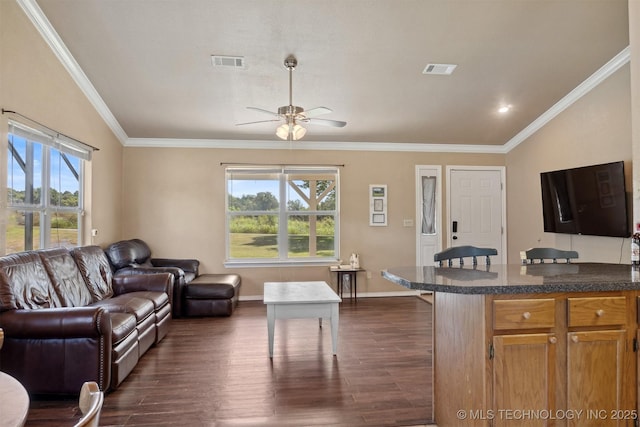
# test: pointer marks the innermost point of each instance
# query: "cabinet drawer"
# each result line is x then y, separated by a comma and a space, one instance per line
597, 311
524, 313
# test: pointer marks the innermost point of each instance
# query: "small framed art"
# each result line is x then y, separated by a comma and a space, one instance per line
377, 205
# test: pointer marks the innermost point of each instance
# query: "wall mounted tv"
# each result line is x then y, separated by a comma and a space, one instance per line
586, 200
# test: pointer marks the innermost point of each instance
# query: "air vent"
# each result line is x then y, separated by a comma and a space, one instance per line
220, 61
439, 69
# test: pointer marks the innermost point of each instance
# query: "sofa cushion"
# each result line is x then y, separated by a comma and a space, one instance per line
95, 269
159, 299
66, 278
141, 308
122, 325
24, 283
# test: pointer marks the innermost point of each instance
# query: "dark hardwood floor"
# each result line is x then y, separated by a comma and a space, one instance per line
217, 372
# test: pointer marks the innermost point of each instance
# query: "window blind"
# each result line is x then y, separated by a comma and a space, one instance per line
57, 141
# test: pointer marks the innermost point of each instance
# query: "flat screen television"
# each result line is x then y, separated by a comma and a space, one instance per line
587, 200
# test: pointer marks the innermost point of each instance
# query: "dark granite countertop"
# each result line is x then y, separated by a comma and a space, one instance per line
517, 279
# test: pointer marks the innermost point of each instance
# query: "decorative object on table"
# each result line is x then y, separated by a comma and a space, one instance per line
378, 205
354, 260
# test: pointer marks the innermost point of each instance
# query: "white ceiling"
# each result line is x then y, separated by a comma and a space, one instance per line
150, 63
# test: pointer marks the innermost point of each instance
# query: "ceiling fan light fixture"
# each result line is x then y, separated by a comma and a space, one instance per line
290, 130
298, 132
294, 130
283, 131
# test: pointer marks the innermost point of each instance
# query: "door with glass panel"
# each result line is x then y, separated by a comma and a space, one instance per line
428, 211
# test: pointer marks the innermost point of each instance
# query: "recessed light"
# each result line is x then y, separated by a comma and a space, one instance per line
504, 109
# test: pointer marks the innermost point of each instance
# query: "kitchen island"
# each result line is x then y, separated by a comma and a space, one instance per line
532, 345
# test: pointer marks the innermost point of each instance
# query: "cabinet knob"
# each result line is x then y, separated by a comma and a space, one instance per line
526, 315
574, 338
600, 312
553, 340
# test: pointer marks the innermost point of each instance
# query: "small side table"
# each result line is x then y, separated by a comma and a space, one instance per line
352, 274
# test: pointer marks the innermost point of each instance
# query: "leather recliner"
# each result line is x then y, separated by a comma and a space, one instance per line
133, 257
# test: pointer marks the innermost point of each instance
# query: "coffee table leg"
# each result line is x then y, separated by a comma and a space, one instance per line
335, 313
271, 322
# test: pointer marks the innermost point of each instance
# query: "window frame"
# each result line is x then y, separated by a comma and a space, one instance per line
283, 174
45, 208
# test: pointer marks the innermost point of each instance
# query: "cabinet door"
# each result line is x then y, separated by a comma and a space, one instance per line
594, 377
523, 379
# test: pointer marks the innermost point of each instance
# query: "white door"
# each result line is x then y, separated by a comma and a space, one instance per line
428, 211
477, 208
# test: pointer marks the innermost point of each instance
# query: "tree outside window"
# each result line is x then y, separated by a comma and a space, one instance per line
44, 192
282, 214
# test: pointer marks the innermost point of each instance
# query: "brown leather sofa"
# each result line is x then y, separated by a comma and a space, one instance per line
67, 320
194, 294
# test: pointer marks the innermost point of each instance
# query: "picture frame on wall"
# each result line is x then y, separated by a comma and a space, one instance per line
378, 219
378, 205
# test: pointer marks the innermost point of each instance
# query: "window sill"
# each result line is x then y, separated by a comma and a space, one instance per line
288, 263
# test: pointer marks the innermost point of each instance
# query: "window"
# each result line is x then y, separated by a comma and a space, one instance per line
44, 190
282, 214
429, 205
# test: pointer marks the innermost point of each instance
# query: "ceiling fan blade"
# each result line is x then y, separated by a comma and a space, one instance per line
317, 111
326, 122
262, 110
259, 121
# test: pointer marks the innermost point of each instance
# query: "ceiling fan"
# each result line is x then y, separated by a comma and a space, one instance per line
292, 115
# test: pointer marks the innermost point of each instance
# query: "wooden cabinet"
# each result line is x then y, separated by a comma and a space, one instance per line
523, 362
590, 364
536, 360
523, 377
595, 361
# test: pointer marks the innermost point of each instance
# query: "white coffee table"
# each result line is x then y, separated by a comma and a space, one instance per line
289, 300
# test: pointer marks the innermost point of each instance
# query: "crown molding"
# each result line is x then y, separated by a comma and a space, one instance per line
312, 145
44, 27
582, 89
51, 37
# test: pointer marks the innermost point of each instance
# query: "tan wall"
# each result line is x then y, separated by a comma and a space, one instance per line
596, 129
174, 199
35, 84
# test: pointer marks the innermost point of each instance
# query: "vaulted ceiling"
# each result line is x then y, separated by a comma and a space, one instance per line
150, 64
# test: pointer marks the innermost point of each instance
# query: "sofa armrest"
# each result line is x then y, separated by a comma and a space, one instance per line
143, 279
56, 323
189, 265
53, 351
